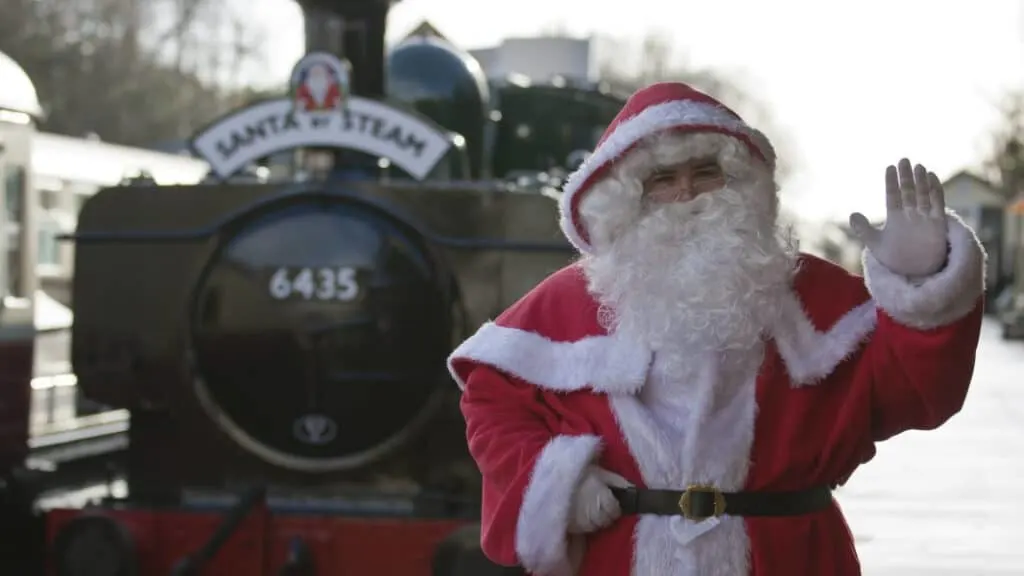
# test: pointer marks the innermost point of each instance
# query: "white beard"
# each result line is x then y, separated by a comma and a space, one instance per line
703, 276
318, 85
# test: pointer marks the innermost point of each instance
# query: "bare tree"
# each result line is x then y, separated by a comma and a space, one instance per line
1004, 165
1004, 162
132, 71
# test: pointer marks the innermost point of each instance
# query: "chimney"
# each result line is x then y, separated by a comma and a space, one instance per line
353, 30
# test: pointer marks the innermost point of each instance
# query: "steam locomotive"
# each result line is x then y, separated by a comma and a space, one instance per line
280, 340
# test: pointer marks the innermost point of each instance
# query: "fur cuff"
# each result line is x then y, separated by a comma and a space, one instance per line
940, 299
542, 539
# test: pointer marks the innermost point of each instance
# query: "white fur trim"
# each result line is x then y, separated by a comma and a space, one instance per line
542, 542
811, 355
605, 363
708, 442
613, 364
940, 299
628, 133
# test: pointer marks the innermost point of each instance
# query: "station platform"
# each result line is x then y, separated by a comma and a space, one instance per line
950, 501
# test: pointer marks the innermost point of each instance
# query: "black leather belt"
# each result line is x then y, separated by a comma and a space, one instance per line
699, 502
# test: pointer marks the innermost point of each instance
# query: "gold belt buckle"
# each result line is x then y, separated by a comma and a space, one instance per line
686, 507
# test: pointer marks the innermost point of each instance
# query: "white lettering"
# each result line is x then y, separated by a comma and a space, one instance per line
320, 283
303, 283
368, 126
346, 280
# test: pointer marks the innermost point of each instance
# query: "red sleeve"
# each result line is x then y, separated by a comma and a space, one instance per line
921, 357
529, 471
920, 377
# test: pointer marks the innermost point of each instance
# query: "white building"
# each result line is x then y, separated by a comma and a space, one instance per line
543, 58
981, 206
66, 171
45, 178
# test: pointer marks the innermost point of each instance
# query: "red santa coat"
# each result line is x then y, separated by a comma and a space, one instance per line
546, 391
311, 103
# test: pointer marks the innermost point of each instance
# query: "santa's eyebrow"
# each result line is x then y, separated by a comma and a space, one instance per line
707, 168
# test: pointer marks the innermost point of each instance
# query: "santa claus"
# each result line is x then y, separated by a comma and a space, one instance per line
319, 90
684, 398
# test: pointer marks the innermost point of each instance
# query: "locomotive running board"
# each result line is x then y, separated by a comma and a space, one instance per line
86, 441
79, 456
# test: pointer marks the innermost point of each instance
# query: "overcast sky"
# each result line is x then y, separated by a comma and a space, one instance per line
855, 86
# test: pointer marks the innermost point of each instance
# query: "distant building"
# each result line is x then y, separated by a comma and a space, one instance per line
1015, 219
543, 58
981, 205
536, 59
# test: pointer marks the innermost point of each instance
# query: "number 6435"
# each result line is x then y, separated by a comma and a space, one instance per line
319, 283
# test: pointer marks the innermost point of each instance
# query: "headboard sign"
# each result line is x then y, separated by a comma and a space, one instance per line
320, 112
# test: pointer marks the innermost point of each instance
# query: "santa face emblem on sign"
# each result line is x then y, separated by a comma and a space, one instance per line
320, 83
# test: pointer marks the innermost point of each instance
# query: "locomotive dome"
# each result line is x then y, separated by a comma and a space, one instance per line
445, 84
17, 93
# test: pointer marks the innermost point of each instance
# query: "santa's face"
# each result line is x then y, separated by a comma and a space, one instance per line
687, 251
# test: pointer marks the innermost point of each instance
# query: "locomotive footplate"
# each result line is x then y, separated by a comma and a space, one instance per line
360, 503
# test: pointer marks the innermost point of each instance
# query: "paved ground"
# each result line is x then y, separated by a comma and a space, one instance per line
950, 501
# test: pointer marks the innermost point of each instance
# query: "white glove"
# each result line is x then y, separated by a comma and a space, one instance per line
594, 506
913, 241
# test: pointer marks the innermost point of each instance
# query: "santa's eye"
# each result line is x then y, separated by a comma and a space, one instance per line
662, 178
707, 170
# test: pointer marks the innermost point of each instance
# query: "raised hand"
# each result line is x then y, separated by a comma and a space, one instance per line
912, 242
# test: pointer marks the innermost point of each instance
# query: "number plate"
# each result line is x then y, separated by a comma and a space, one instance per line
324, 284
